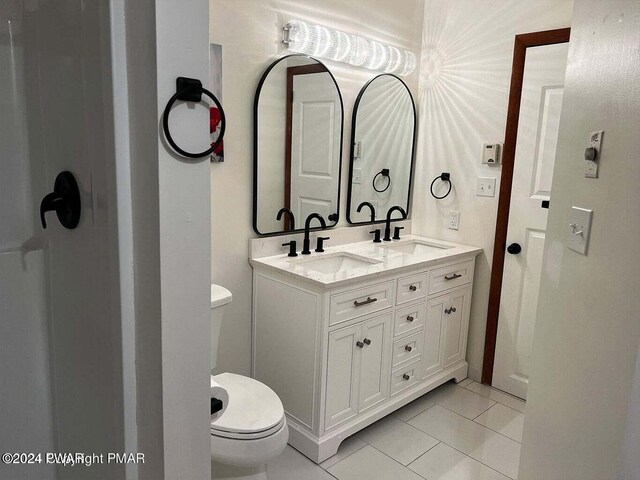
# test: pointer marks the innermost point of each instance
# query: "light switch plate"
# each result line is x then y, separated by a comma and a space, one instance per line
579, 229
486, 187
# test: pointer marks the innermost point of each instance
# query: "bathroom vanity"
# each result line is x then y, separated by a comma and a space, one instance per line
347, 336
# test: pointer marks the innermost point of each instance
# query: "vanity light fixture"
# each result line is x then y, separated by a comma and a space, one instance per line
323, 42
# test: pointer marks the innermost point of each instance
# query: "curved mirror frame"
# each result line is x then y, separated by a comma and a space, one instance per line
384, 126
279, 141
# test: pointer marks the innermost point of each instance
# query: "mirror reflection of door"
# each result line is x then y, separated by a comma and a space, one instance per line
530, 198
298, 117
312, 149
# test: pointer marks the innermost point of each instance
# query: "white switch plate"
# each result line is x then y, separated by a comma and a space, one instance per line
486, 187
357, 175
579, 229
454, 220
595, 141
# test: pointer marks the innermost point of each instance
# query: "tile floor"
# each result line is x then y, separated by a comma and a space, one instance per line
466, 431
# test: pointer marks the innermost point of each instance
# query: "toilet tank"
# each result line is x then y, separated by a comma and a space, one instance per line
220, 297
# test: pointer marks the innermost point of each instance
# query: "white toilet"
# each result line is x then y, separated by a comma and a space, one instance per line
251, 429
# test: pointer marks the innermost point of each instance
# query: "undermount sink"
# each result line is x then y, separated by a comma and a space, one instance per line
334, 263
417, 247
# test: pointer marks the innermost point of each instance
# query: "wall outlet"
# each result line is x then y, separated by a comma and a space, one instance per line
486, 187
454, 220
357, 176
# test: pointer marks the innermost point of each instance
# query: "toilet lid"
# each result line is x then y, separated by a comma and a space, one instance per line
253, 407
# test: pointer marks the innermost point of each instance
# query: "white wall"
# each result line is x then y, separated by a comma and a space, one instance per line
464, 88
587, 331
250, 34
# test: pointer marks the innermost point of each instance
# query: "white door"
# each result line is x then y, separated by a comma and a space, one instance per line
60, 337
342, 375
315, 145
374, 365
541, 103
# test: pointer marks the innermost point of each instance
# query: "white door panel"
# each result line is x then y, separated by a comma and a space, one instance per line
315, 145
541, 104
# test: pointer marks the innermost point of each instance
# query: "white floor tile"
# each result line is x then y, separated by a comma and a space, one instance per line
504, 420
398, 440
347, 447
461, 400
292, 465
412, 409
486, 446
465, 382
498, 396
445, 463
370, 464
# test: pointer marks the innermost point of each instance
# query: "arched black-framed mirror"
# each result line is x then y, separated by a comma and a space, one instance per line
383, 135
298, 127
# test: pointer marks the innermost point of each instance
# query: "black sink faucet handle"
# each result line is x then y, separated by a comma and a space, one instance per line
396, 233
376, 238
387, 230
320, 244
292, 248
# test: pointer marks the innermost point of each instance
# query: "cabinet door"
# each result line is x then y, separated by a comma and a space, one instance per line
433, 351
455, 326
342, 375
375, 361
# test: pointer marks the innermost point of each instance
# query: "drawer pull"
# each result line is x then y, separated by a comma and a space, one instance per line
359, 344
408, 348
452, 277
413, 288
410, 318
366, 302
367, 341
406, 376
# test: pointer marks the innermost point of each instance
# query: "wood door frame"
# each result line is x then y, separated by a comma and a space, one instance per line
291, 72
522, 42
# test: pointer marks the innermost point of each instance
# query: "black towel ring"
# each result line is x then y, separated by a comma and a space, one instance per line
445, 177
385, 173
191, 90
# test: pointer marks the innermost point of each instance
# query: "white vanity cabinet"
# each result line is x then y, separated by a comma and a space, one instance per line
342, 355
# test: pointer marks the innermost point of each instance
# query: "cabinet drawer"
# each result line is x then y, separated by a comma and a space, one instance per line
409, 319
407, 348
451, 276
405, 377
362, 301
411, 288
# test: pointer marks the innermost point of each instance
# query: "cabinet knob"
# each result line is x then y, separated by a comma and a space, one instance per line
408, 348
413, 288
367, 341
406, 376
410, 318
359, 344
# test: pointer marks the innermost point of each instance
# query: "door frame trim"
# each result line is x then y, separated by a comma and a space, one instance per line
522, 42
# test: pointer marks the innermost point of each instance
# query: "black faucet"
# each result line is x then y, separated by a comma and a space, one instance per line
373, 210
292, 219
387, 230
305, 244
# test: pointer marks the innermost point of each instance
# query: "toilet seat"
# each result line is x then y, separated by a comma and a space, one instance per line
254, 410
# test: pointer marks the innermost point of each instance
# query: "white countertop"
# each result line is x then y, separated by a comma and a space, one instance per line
387, 261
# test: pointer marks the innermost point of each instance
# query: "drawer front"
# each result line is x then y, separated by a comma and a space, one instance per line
451, 276
405, 377
411, 288
407, 348
409, 319
362, 301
